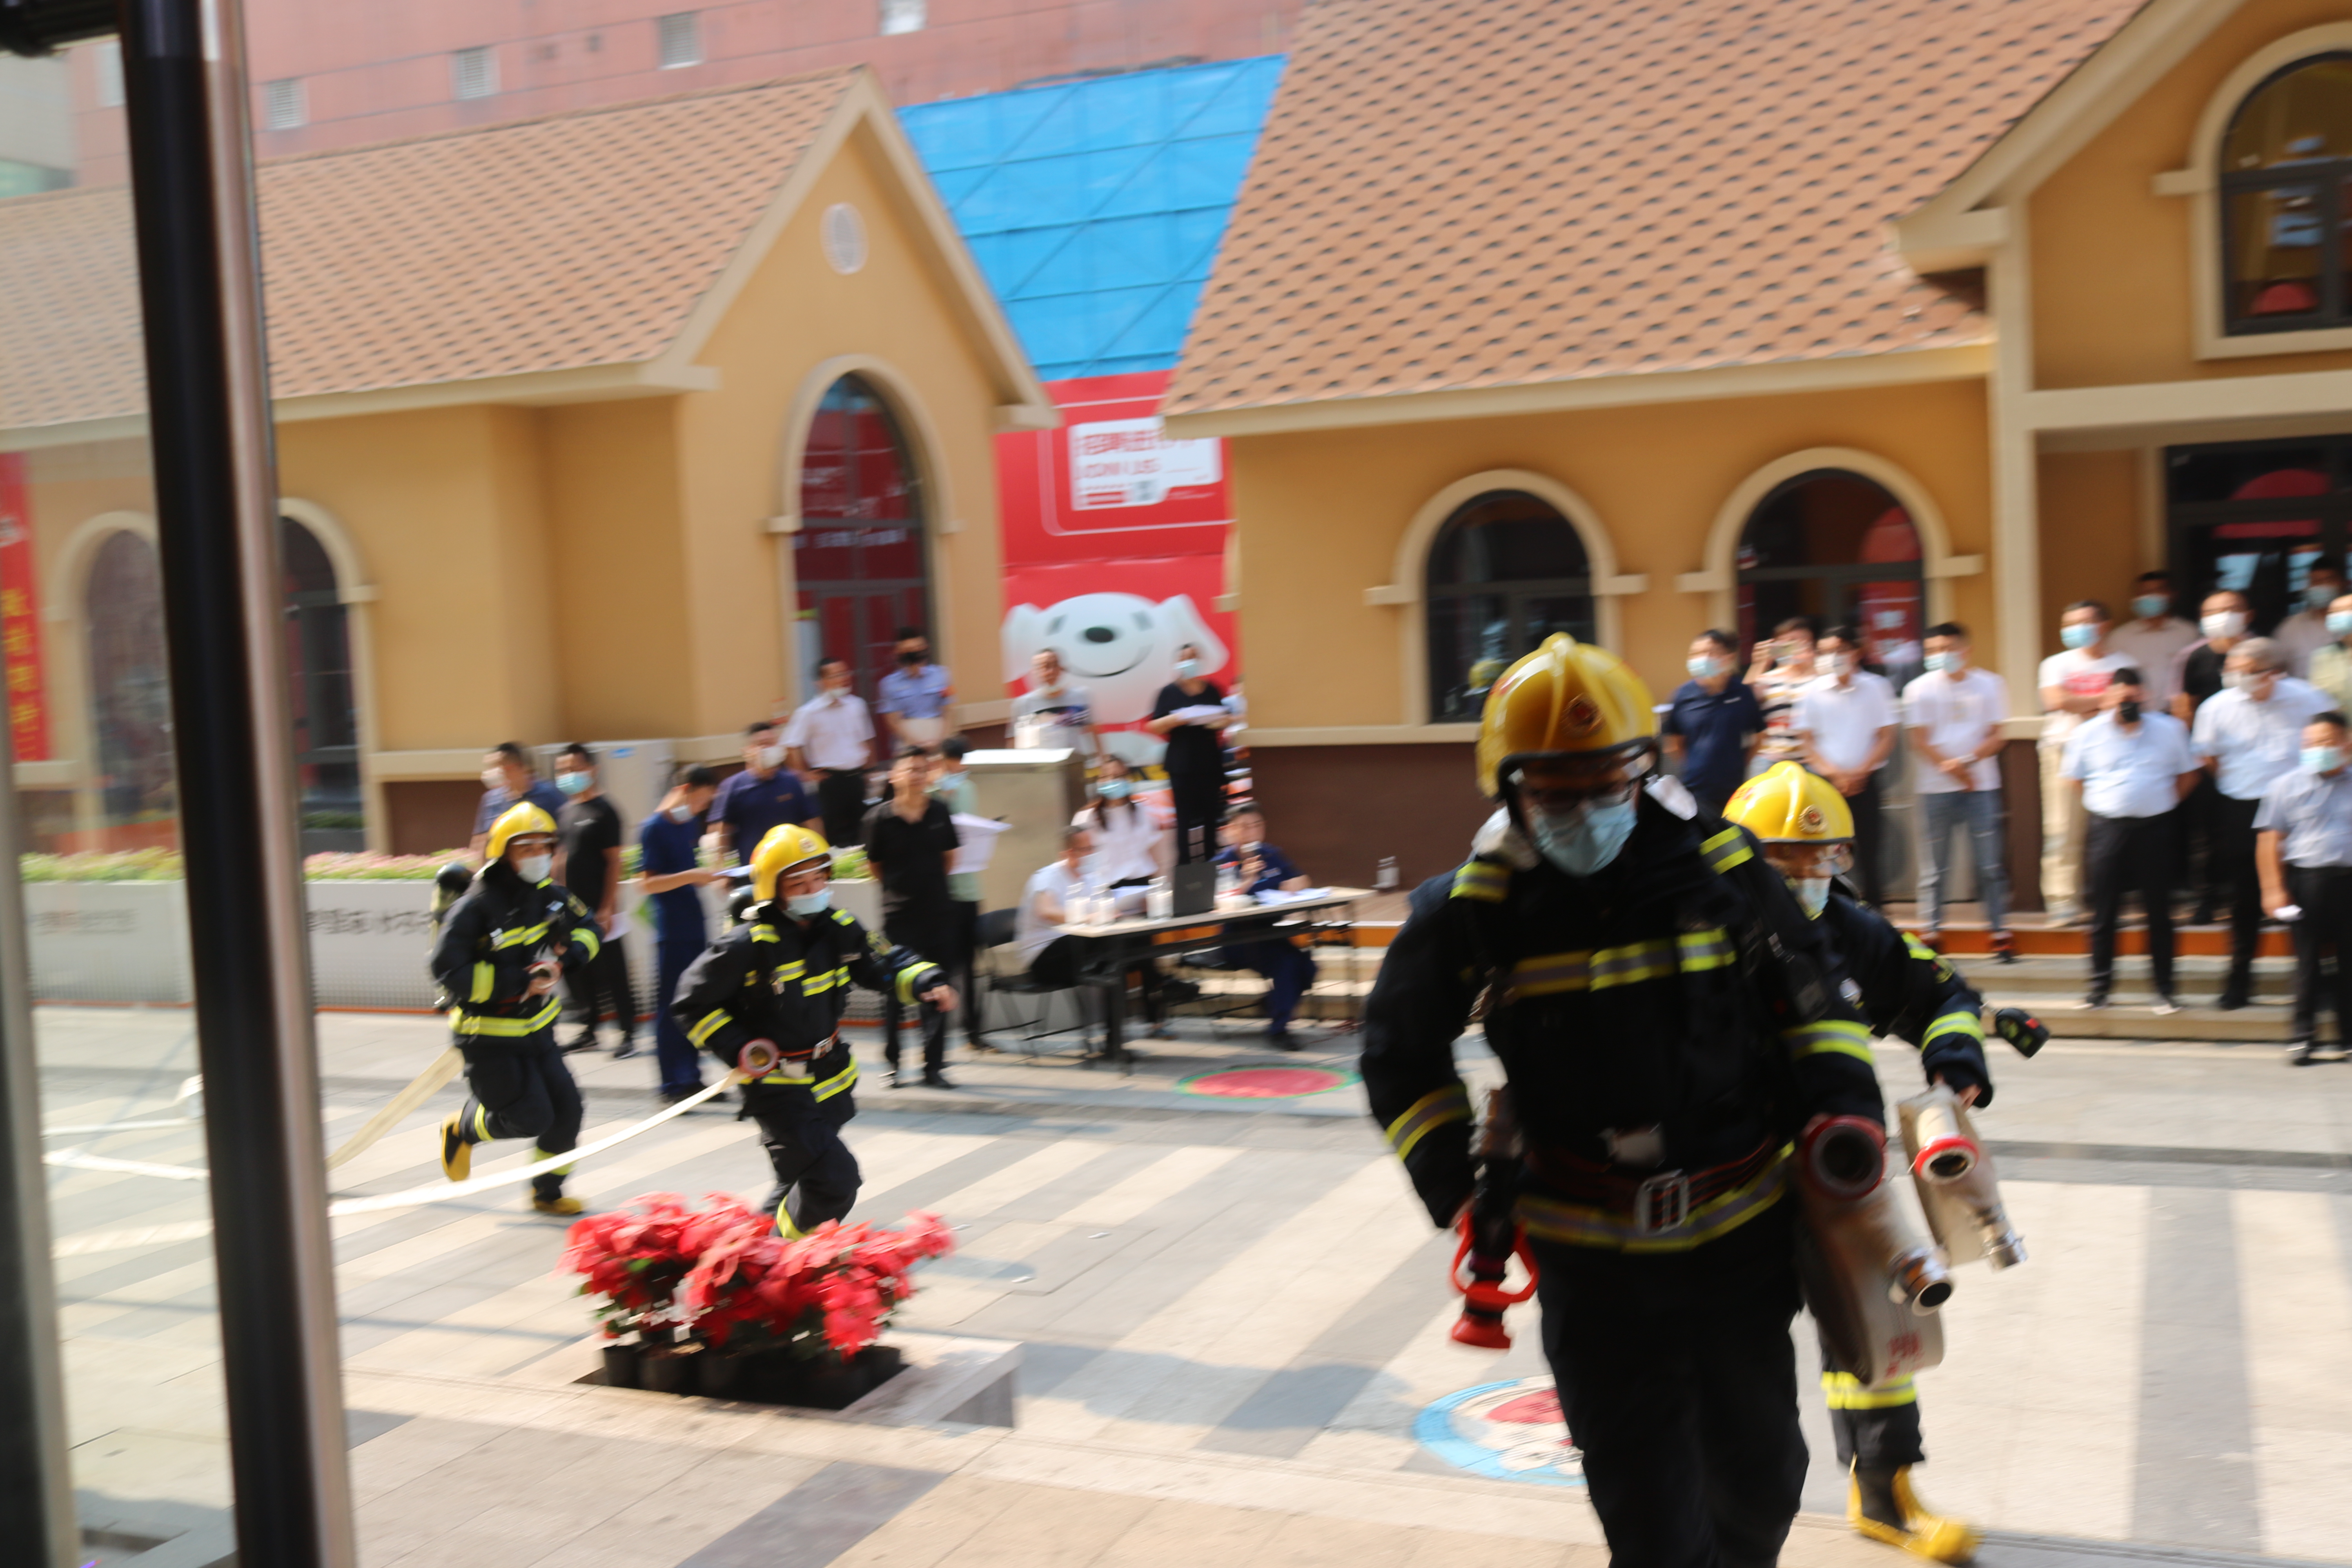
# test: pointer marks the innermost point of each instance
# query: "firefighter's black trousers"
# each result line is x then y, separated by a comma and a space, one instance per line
1878, 1428
816, 1176
1679, 1381
523, 1089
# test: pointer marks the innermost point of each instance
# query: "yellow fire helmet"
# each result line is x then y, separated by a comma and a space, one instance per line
520, 818
1786, 805
787, 845
1566, 698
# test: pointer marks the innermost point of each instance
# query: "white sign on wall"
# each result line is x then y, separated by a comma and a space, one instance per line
1128, 462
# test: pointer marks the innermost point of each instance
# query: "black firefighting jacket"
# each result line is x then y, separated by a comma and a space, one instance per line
1680, 989
777, 978
1909, 991
493, 934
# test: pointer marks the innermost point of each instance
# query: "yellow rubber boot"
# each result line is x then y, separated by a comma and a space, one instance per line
1921, 1533
561, 1206
456, 1153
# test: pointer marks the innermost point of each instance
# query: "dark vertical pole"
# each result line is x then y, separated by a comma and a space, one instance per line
215, 501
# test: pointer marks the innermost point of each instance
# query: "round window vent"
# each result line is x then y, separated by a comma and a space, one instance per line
844, 233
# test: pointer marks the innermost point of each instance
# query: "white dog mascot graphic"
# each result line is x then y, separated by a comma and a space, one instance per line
1120, 647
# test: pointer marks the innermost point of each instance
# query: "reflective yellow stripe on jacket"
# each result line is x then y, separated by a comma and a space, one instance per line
1433, 1109
1966, 1023
818, 984
523, 937
1597, 969
1580, 1225
484, 977
589, 934
471, 1024
1845, 1392
1724, 850
1481, 880
1829, 1035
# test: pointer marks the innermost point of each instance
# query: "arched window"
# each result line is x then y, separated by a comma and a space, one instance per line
130, 694
1836, 547
326, 720
2285, 167
859, 559
1505, 572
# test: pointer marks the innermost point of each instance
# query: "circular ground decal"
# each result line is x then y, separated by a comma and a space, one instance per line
1504, 1432
1267, 1082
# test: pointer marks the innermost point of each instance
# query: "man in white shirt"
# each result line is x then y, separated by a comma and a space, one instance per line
2155, 640
830, 740
1955, 713
1845, 721
2303, 633
2250, 734
1056, 711
2073, 684
2129, 767
1037, 937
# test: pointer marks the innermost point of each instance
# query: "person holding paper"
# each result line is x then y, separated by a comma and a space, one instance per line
1289, 970
2303, 846
1190, 714
908, 839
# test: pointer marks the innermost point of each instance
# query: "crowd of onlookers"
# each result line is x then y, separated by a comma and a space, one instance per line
2195, 764
821, 768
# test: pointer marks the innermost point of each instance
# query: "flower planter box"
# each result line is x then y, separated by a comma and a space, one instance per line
766, 1377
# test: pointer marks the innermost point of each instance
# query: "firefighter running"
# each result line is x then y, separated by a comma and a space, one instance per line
500, 951
766, 999
1665, 1014
1908, 992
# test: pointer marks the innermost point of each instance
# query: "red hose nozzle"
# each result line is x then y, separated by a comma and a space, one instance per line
1484, 1299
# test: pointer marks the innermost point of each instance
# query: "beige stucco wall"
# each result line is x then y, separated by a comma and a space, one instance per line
2091, 548
897, 318
2111, 259
1321, 515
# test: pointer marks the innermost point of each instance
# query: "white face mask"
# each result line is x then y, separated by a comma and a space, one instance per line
534, 869
1812, 894
1842, 664
494, 778
1186, 669
767, 759
2225, 624
681, 812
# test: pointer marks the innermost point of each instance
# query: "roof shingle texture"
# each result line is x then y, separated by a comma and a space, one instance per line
577, 240
1455, 194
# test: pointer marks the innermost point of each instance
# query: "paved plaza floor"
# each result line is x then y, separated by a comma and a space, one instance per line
1232, 1315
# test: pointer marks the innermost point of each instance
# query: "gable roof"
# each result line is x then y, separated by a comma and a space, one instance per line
602, 239
1453, 195
1096, 206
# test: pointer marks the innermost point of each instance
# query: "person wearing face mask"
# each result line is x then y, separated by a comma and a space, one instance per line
1289, 969
506, 778
2073, 684
951, 786
831, 736
2196, 679
765, 795
1955, 715
2331, 667
1667, 1021
1910, 993
670, 859
766, 999
2305, 633
1847, 721
1131, 848
2248, 734
2129, 767
2305, 848
500, 953
909, 842
1783, 667
2155, 638
915, 696
588, 862
1190, 715
1713, 722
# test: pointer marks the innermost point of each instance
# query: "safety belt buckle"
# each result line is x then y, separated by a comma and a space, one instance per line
1662, 1203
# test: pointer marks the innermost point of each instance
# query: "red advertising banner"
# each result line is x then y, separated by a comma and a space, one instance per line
20, 617
1108, 485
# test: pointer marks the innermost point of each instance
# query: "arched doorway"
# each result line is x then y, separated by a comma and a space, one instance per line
1839, 549
326, 716
1504, 572
130, 697
858, 560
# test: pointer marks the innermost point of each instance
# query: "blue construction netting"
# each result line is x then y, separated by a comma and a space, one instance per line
1095, 206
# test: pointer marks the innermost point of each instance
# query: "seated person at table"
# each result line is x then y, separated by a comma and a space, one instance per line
1289, 969
1131, 848
1053, 958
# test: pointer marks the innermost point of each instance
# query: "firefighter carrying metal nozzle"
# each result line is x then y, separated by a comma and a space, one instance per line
1664, 1015
1908, 992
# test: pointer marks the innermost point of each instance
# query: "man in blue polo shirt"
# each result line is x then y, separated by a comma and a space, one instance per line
672, 869
1713, 722
915, 696
507, 777
765, 795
